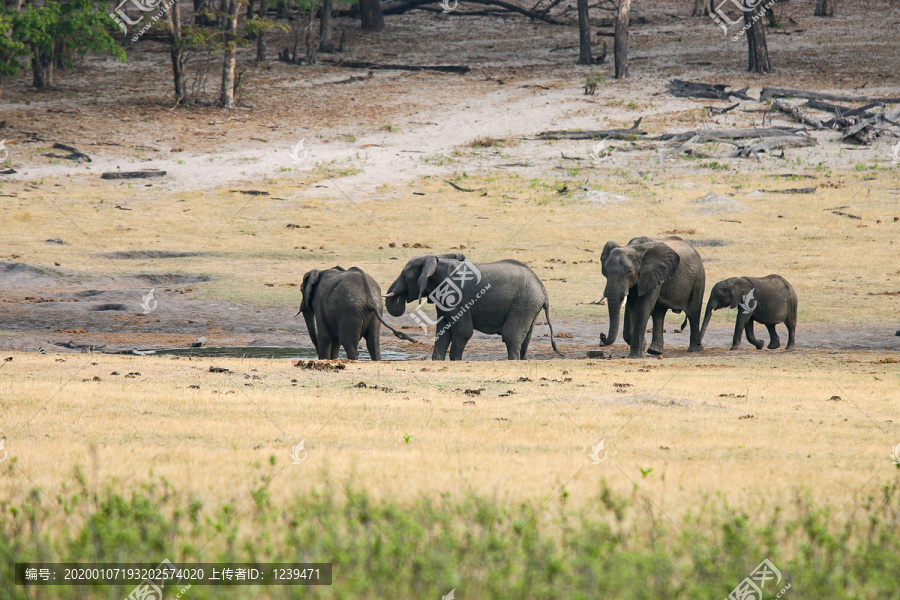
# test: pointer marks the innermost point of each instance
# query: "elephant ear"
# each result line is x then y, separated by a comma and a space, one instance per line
739, 288
609, 247
658, 265
308, 288
429, 264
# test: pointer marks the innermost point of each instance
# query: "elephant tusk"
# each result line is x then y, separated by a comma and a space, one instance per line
391, 295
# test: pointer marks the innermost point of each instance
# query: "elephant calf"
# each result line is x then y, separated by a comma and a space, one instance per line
767, 300
503, 297
341, 306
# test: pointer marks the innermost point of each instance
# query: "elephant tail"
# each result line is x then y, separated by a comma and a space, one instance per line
370, 305
550, 325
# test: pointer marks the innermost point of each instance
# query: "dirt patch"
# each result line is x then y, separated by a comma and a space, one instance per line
145, 254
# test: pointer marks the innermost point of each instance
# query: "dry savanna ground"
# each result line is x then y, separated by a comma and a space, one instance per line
754, 426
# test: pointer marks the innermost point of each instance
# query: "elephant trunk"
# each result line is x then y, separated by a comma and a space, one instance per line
395, 300
710, 307
311, 327
615, 307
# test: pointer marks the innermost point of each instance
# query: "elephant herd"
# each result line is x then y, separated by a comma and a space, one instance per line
343, 306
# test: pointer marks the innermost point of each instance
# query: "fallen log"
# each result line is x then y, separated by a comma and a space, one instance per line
771, 92
797, 114
808, 190
772, 143
732, 134
459, 69
600, 134
396, 8
690, 89
132, 174
73, 153
721, 111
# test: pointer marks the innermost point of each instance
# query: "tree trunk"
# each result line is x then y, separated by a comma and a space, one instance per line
584, 34
702, 8
176, 50
261, 39
370, 15
41, 68
326, 44
310, 38
824, 8
758, 53
620, 46
226, 99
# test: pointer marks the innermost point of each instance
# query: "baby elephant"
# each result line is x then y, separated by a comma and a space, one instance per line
341, 306
767, 300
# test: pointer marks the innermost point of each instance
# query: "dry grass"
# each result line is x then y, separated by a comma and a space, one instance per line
680, 418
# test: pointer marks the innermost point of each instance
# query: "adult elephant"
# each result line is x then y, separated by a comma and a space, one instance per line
503, 297
656, 276
341, 306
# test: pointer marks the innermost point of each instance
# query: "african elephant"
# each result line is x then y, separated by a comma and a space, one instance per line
768, 300
656, 276
341, 306
503, 297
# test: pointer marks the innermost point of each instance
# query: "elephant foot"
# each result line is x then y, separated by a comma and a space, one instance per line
695, 348
635, 355
759, 345
773, 345
735, 347
789, 347
654, 351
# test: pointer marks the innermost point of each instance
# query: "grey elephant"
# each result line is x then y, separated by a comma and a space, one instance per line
341, 306
768, 300
656, 276
503, 297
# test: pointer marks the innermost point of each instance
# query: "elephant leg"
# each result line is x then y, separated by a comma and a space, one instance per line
515, 331
628, 321
639, 326
442, 341
350, 335
462, 332
774, 342
523, 351
751, 336
373, 340
659, 320
740, 325
693, 316
791, 324
326, 341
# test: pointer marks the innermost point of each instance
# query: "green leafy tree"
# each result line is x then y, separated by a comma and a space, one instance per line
77, 26
10, 49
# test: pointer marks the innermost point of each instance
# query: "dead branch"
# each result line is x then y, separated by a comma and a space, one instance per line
772, 143
600, 134
132, 174
808, 190
691, 89
770, 92
797, 114
732, 134
400, 7
460, 69
73, 153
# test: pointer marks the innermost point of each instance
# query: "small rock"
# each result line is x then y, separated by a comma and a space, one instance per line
199, 343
